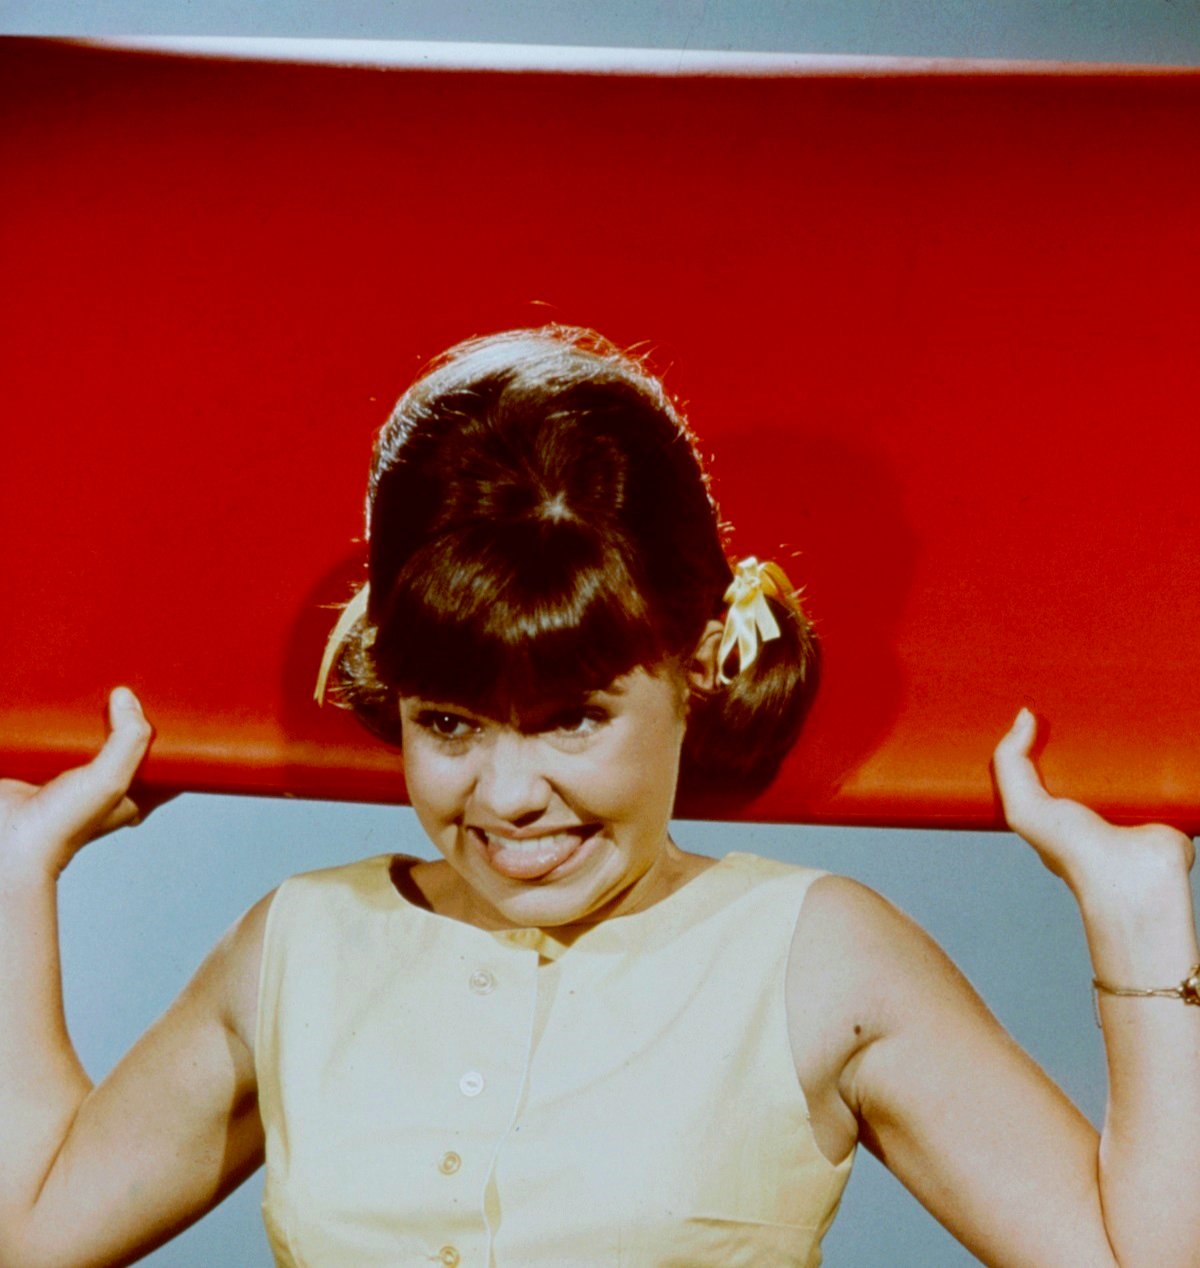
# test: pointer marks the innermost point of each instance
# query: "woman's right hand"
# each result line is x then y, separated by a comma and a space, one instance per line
42, 829
104, 1174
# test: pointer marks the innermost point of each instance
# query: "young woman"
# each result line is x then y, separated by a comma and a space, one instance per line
569, 1041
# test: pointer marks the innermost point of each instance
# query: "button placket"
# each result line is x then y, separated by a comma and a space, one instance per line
498, 1039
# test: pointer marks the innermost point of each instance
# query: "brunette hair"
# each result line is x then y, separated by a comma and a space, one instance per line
539, 524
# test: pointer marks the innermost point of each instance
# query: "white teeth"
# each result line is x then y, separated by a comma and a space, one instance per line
531, 845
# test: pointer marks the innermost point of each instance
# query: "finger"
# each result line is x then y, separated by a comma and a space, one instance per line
76, 803
114, 767
124, 814
134, 809
1013, 766
149, 800
1022, 793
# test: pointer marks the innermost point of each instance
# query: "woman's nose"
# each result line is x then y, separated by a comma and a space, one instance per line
512, 785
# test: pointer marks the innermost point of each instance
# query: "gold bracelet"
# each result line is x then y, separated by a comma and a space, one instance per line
1188, 990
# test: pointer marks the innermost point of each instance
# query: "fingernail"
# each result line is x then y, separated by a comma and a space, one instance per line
123, 698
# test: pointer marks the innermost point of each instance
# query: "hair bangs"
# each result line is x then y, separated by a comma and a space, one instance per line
505, 619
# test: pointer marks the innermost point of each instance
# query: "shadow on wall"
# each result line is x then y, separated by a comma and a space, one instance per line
846, 544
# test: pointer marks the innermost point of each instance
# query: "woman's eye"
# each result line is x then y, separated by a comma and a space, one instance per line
579, 722
446, 726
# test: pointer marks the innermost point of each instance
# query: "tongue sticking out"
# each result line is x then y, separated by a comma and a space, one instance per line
531, 860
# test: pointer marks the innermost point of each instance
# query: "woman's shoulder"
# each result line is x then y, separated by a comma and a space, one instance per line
262, 935
844, 920
232, 970
860, 924
773, 879
362, 873
758, 868
860, 964
236, 963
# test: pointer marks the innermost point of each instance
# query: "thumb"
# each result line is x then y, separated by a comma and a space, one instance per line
91, 799
128, 738
1024, 798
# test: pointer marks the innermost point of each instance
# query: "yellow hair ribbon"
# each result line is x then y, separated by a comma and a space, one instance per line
750, 621
351, 614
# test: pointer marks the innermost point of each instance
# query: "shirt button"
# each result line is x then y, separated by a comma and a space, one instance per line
471, 1083
482, 982
448, 1255
450, 1163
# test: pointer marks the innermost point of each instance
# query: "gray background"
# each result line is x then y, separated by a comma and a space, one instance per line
1076, 30
141, 910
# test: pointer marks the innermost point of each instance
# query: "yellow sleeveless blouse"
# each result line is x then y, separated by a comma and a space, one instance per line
424, 1102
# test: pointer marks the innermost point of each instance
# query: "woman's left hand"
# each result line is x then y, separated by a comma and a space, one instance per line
1092, 855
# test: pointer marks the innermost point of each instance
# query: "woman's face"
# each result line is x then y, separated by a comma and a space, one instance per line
552, 817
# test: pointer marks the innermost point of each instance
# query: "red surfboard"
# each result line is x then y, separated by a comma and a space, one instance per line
935, 324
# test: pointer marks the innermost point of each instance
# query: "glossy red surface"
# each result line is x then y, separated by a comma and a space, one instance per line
937, 331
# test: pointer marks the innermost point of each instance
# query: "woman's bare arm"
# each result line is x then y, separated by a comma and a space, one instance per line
965, 1118
92, 1176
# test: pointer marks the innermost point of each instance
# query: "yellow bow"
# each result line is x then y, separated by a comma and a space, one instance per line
750, 621
352, 613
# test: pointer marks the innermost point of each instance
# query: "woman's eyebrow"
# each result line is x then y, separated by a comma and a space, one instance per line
419, 704
545, 713
618, 687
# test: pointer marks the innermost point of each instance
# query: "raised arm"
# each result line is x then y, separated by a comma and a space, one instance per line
1132, 888
93, 1176
912, 1059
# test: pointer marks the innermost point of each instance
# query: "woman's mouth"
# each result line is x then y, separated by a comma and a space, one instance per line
533, 858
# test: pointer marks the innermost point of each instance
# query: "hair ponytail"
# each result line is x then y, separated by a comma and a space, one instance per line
739, 733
